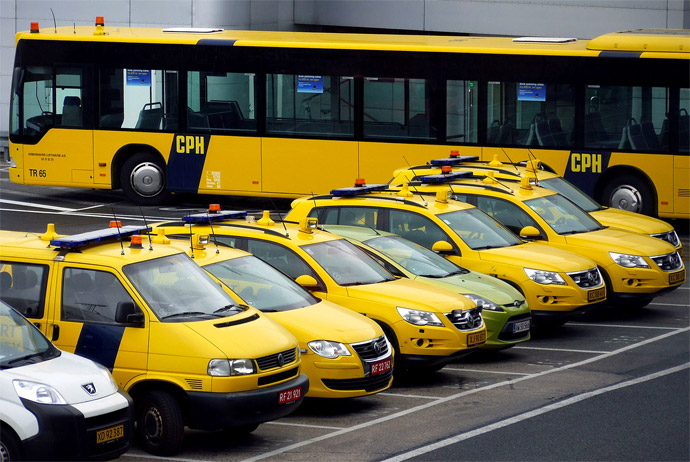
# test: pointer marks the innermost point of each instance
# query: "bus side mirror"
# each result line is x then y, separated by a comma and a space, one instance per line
530, 232
306, 281
442, 247
127, 313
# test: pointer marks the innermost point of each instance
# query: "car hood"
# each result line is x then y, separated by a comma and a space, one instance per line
538, 256
620, 241
327, 321
488, 287
631, 221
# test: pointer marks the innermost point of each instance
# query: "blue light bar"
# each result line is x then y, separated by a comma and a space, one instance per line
209, 217
453, 160
443, 177
356, 190
102, 235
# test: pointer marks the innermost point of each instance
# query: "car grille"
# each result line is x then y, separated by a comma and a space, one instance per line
372, 349
277, 360
368, 384
668, 262
466, 319
671, 237
587, 279
280, 376
507, 334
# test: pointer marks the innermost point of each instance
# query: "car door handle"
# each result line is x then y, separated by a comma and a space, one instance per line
56, 332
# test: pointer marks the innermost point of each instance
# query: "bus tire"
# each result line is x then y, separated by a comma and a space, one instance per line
143, 179
160, 426
629, 192
10, 447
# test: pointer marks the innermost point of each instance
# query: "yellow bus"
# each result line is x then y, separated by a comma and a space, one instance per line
284, 114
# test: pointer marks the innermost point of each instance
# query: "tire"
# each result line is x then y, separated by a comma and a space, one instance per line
143, 179
10, 447
160, 426
629, 192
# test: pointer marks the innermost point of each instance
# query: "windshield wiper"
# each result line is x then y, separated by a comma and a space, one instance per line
186, 313
26, 358
237, 308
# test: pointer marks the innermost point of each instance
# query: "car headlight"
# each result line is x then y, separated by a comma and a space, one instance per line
629, 261
229, 367
330, 350
419, 318
545, 277
483, 303
38, 392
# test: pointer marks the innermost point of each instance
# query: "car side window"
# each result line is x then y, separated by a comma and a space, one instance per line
281, 258
506, 213
91, 296
23, 287
417, 228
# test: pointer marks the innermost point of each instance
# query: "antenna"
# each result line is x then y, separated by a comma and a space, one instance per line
119, 236
148, 233
213, 233
409, 184
511, 160
191, 241
534, 158
54, 23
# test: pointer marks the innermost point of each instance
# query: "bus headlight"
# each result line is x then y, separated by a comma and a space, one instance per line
419, 318
629, 261
330, 350
38, 392
544, 277
483, 303
230, 367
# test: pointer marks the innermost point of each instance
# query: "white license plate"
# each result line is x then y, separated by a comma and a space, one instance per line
521, 326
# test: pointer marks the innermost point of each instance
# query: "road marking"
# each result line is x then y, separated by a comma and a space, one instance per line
462, 395
485, 372
593, 324
528, 415
70, 212
567, 350
670, 304
31, 204
403, 395
151, 456
303, 425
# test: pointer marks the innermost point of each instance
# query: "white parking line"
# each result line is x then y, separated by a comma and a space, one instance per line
594, 324
71, 212
172, 459
533, 413
481, 371
403, 395
566, 350
38, 206
462, 395
304, 425
685, 305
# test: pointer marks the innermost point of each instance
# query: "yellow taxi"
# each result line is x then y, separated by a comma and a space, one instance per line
556, 283
426, 327
636, 268
344, 354
539, 176
186, 352
504, 308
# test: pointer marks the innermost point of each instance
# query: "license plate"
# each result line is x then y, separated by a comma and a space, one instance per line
521, 326
676, 277
596, 294
476, 338
381, 367
289, 396
109, 434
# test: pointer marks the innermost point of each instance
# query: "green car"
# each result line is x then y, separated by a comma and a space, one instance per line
505, 311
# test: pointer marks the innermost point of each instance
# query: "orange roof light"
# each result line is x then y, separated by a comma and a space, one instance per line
100, 21
360, 182
34, 27
214, 208
115, 224
446, 169
454, 153
135, 241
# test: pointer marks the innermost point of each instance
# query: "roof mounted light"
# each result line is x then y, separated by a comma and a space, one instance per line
453, 160
360, 187
211, 216
443, 177
103, 235
34, 28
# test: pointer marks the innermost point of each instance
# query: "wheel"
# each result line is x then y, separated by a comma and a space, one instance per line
10, 447
143, 179
629, 192
160, 427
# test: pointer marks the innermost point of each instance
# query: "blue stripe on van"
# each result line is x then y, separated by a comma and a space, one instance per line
100, 343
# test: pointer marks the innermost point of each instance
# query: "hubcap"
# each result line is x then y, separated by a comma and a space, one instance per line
153, 425
627, 198
147, 179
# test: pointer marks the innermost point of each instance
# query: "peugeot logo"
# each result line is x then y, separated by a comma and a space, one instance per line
90, 388
281, 360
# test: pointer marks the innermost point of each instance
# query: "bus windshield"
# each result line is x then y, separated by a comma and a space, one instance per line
346, 264
478, 230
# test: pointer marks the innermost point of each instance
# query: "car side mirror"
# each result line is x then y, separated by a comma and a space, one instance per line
308, 282
530, 232
442, 247
128, 313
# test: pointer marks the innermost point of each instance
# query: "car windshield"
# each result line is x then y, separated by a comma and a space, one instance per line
570, 191
478, 230
562, 215
346, 264
177, 289
21, 342
261, 285
418, 260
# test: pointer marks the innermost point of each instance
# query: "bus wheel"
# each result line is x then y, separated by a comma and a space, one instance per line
629, 192
160, 427
143, 179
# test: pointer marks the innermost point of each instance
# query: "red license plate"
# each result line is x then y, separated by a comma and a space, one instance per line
290, 395
381, 366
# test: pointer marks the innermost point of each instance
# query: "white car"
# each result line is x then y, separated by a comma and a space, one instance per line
55, 405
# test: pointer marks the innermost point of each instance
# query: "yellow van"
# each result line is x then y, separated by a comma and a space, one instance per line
427, 327
557, 284
636, 268
172, 337
344, 354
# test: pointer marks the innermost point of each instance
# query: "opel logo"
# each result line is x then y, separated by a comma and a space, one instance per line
90, 388
281, 360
